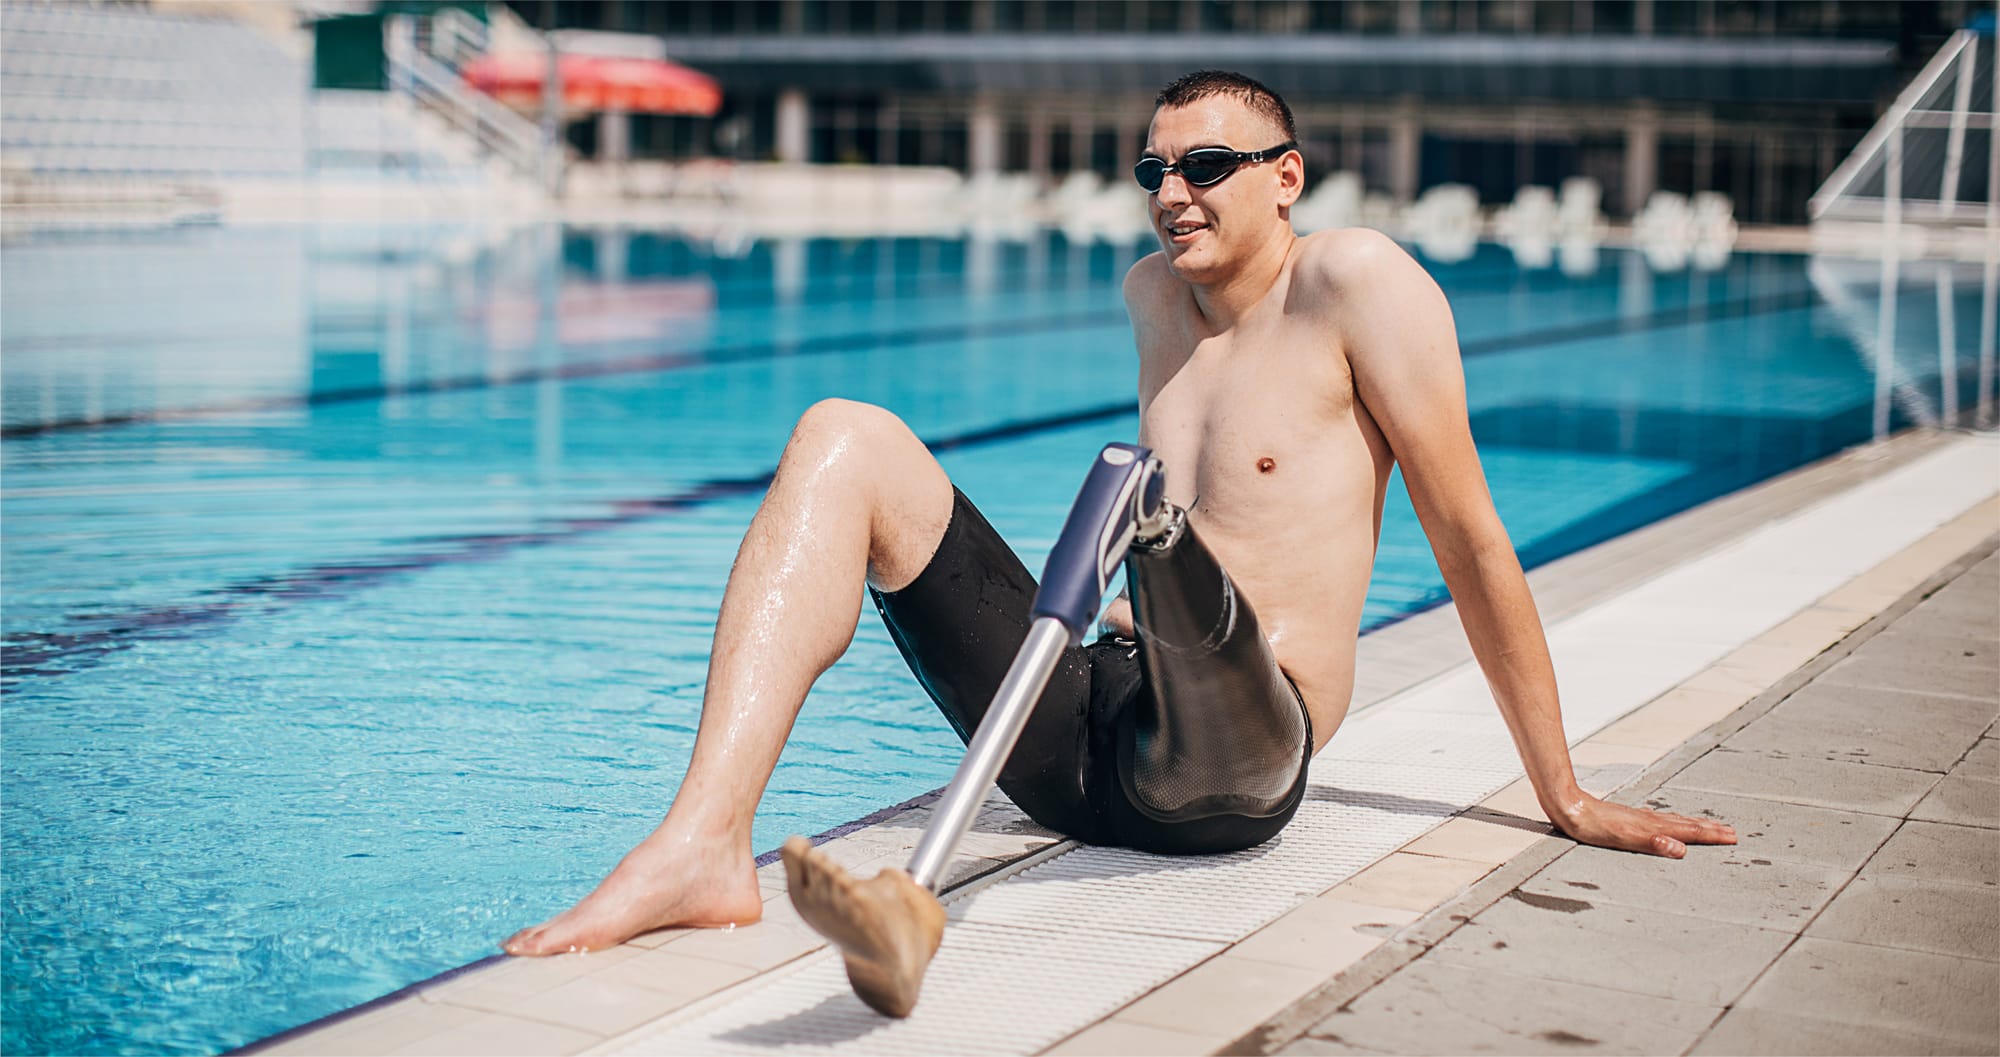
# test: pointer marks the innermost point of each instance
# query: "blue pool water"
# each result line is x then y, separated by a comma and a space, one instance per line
359, 582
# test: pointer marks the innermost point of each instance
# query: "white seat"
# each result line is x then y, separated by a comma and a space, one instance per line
1577, 212
1445, 222
1532, 215
1335, 203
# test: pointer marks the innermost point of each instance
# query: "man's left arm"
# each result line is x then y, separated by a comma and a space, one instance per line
1403, 350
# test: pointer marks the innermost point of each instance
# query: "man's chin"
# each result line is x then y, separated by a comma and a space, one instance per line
1190, 265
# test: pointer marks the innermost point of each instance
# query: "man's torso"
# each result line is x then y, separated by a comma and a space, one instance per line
1281, 469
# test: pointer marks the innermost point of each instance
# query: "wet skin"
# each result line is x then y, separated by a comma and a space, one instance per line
1280, 379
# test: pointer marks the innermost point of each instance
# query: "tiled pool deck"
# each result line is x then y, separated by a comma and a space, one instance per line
1860, 914
1668, 639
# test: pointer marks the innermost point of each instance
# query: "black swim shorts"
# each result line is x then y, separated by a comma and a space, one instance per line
1190, 741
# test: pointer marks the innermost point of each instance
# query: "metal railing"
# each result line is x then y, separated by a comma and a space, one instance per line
438, 88
1903, 153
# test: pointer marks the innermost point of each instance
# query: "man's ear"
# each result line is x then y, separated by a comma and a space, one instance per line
1291, 178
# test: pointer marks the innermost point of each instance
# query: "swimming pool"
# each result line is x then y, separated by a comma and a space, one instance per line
359, 582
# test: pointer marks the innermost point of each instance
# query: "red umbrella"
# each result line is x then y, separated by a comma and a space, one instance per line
595, 82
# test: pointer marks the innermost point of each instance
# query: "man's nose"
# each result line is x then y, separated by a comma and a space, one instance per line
1173, 192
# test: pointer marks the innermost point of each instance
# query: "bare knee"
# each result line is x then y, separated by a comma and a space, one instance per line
836, 418
848, 439
869, 455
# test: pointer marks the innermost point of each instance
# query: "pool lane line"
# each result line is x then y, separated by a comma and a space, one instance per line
1010, 283
644, 364
928, 286
55, 653
1476, 284
1013, 285
658, 363
1662, 319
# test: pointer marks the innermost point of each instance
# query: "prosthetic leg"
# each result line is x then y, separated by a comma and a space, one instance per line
888, 928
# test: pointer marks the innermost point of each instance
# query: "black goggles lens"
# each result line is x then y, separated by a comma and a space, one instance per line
1200, 168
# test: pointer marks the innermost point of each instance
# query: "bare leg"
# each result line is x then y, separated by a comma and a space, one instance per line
856, 495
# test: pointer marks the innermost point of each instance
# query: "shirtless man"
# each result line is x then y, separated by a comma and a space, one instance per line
1280, 379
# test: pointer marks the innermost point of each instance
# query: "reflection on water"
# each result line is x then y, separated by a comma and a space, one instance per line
1915, 346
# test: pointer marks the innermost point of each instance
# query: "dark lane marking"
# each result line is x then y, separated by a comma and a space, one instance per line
920, 289
32, 653
1664, 319
649, 364
645, 364
911, 287
58, 653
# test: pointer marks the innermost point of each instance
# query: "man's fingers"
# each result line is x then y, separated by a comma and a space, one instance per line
1698, 830
1704, 831
1716, 833
1668, 846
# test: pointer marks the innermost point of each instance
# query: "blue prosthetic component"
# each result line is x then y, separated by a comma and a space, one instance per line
1124, 490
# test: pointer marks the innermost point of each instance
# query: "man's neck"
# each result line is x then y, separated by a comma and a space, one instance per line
1223, 304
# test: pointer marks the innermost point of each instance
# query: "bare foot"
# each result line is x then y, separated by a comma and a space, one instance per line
654, 887
887, 928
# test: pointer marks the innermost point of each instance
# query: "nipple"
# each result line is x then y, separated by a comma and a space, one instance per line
1266, 464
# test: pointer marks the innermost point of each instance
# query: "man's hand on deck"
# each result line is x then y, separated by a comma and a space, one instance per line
1589, 820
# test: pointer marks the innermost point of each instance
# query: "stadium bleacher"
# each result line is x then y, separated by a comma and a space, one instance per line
99, 91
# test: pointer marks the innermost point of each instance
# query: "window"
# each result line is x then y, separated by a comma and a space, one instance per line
1104, 159
1014, 148
1161, 16
1602, 158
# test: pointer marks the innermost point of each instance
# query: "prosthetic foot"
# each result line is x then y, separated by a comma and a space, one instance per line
889, 928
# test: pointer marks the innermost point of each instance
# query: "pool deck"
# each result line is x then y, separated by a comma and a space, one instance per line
1860, 913
1812, 606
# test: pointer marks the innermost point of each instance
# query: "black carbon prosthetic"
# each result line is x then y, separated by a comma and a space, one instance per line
1190, 742
1222, 733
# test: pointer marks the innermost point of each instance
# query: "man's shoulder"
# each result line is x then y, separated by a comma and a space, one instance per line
1345, 259
1148, 277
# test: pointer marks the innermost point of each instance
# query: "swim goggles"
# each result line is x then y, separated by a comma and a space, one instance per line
1204, 167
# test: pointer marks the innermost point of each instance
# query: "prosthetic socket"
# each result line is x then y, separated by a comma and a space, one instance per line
1206, 740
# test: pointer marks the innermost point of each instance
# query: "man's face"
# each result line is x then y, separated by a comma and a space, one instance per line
1206, 231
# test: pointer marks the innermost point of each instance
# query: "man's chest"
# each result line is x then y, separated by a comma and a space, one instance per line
1230, 417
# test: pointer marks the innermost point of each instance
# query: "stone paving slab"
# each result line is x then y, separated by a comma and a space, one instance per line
1624, 948
1309, 1046
1940, 852
1742, 1031
1438, 1008
1720, 885
1893, 728
1914, 914
1839, 784
1956, 999
1962, 800
1770, 829
1967, 603
1982, 760
1893, 669
1942, 647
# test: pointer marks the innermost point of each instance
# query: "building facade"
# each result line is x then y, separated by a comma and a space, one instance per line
1758, 99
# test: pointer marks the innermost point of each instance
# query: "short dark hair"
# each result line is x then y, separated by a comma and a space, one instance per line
1202, 84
